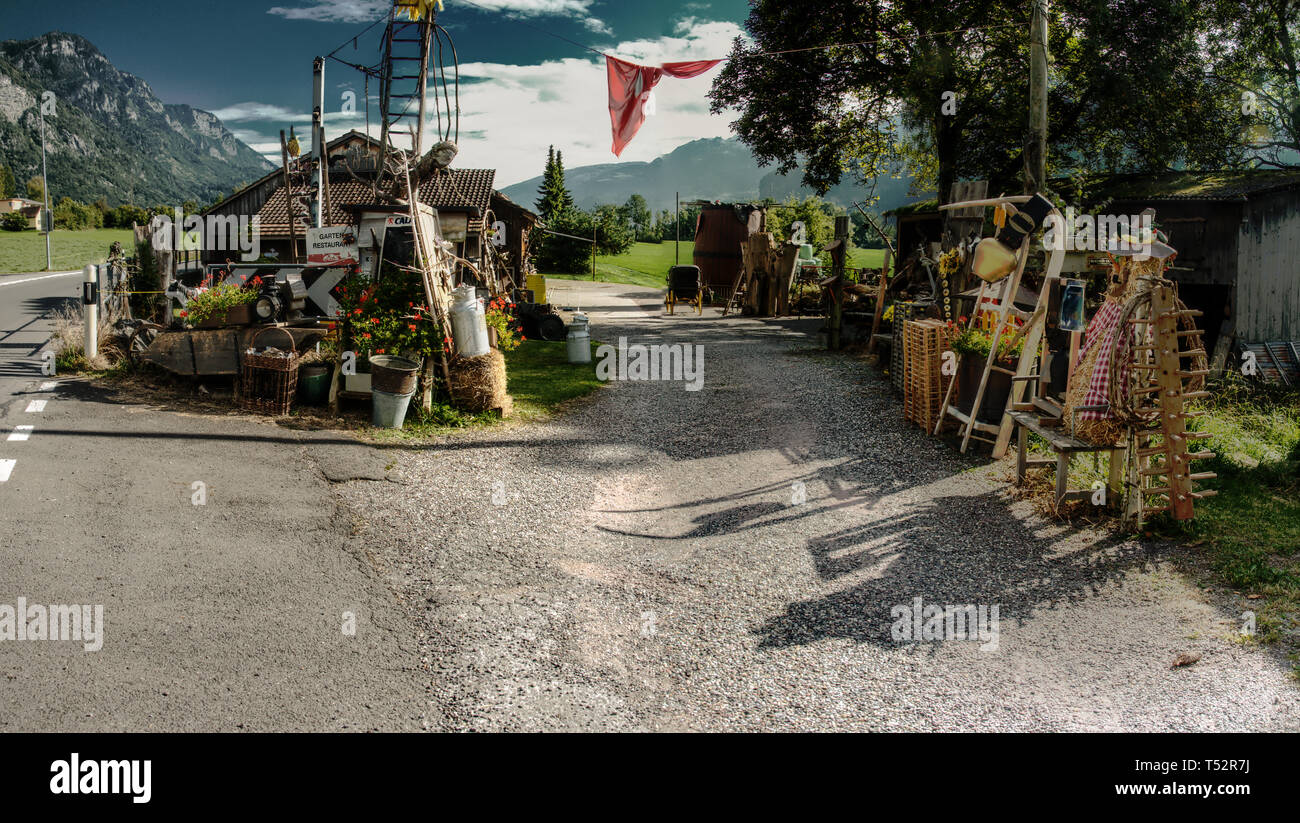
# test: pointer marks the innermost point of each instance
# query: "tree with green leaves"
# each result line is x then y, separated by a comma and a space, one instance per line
1262, 60
36, 189
637, 213
613, 235
8, 186
552, 196
816, 215
1132, 88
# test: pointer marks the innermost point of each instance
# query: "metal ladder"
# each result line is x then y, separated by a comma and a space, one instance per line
404, 75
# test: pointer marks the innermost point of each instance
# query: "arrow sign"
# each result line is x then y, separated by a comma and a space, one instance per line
319, 290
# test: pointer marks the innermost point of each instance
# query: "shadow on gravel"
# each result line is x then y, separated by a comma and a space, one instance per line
957, 550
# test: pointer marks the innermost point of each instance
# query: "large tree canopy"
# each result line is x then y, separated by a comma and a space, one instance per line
1260, 42
1132, 87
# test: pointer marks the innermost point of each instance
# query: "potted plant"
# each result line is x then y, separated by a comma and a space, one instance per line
973, 343
397, 334
223, 304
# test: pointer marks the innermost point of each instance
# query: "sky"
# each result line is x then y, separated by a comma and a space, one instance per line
249, 62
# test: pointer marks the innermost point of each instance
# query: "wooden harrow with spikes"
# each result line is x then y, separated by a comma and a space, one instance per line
1166, 367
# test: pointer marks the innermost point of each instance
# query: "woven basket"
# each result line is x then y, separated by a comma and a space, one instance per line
268, 383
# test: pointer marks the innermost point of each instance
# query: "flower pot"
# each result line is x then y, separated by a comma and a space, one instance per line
996, 391
395, 375
314, 383
241, 315
388, 410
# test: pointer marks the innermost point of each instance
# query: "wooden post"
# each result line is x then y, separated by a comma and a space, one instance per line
1036, 152
288, 200
838, 256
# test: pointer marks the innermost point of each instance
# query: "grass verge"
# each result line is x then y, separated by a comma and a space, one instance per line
24, 251
539, 377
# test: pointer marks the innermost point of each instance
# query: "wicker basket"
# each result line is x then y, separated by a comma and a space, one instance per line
268, 382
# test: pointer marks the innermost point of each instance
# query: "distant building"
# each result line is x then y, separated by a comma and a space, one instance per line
31, 209
462, 198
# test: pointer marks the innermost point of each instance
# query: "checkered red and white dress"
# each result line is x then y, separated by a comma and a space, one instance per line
1101, 332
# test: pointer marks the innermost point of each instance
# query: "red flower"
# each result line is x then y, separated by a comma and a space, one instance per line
366, 335
412, 328
379, 351
184, 313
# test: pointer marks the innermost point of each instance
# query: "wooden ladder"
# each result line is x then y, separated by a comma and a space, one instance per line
1005, 308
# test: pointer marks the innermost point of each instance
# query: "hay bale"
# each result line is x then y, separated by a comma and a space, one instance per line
479, 383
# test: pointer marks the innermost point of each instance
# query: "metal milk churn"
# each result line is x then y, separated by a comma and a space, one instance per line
579, 341
468, 326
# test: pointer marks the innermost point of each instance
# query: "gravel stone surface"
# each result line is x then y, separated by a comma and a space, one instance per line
646, 565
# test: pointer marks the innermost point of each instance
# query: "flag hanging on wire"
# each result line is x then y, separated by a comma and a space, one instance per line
629, 90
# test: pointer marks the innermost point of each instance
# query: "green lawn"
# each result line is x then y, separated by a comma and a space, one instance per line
1251, 530
538, 376
25, 250
647, 264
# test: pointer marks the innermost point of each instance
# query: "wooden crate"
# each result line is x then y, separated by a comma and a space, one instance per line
924, 384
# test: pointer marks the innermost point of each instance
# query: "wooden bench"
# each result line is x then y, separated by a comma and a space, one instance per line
1065, 446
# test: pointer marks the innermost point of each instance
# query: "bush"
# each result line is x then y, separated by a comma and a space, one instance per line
13, 221
74, 215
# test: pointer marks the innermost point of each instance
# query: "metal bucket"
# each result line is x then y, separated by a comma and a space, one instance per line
395, 375
388, 410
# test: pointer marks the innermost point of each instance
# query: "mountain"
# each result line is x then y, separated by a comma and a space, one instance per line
714, 168
110, 135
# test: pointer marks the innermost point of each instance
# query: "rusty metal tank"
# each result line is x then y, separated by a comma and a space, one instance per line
719, 233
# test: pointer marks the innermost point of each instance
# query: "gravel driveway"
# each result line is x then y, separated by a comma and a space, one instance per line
647, 566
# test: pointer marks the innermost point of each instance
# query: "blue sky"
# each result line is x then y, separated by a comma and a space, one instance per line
249, 61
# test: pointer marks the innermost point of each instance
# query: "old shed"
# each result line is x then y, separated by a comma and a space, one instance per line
1238, 240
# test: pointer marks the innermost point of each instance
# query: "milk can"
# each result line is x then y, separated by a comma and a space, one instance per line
468, 326
579, 341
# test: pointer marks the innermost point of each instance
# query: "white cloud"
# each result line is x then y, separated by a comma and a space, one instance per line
535, 8
366, 11
598, 26
240, 112
335, 11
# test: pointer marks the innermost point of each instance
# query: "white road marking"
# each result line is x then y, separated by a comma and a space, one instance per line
36, 406
48, 385
6, 466
33, 279
21, 432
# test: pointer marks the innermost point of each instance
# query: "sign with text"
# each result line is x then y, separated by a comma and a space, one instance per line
332, 246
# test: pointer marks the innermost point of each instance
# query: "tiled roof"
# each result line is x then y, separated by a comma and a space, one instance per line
1190, 185
451, 189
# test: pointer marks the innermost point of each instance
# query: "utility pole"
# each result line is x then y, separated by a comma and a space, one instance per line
677, 223
593, 248
47, 218
1036, 148
318, 212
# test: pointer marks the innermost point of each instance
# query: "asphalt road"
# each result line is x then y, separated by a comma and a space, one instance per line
229, 615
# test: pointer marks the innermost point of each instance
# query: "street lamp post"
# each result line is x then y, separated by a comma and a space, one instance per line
48, 217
